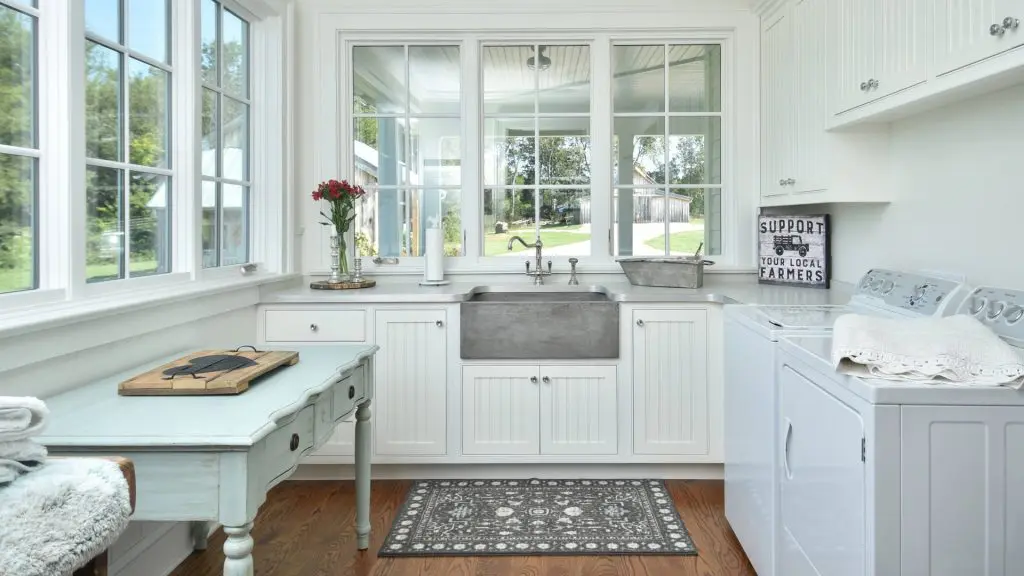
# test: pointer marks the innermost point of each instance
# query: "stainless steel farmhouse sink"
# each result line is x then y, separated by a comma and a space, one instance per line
539, 323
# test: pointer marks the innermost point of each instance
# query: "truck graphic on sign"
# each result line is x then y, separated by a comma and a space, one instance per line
790, 243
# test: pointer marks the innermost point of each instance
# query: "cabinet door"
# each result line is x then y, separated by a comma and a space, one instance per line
777, 113
670, 382
411, 382
809, 97
964, 32
853, 49
822, 503
500, 408
903, 31
578, 410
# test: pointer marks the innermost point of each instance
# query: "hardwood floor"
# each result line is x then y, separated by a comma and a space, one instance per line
307, 528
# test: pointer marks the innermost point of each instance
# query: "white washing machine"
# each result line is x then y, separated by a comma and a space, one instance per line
751, 415
880, 477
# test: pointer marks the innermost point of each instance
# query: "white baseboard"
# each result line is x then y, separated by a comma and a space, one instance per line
493, 471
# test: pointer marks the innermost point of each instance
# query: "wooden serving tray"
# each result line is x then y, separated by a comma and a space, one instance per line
210, 381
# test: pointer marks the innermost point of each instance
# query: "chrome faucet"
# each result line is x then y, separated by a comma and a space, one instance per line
538, 274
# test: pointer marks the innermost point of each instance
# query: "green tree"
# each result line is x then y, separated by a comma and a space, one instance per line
16, 129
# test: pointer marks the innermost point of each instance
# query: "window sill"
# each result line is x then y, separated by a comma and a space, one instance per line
50, 315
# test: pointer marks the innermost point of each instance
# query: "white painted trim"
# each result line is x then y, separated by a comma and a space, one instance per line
311, 471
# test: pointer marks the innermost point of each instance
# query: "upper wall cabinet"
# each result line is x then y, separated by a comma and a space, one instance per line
968, 31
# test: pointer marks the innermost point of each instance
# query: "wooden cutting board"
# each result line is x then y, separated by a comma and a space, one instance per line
210, 376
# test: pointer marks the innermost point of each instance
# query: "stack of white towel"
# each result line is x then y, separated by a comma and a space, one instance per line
21, 418
954, 349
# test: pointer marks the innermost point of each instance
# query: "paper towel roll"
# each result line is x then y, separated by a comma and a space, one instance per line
434, 267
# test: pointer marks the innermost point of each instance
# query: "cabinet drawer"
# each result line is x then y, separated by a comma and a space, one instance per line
347, 392
283, 447
315, 325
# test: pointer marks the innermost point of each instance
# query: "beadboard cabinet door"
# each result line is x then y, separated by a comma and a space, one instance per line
500, 409
778, 134
578, 410
411, 382
670, 382
969, 31
809, 97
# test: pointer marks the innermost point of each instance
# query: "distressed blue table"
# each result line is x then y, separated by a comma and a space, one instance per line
214, 458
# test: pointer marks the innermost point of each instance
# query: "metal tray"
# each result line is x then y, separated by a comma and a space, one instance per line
665, 271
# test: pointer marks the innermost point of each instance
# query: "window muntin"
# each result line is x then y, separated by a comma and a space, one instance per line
19, 148
667, 127
225, 135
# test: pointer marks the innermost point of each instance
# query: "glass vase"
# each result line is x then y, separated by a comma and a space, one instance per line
339, 259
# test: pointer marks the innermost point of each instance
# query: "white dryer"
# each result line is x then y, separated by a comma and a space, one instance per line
890, 478
751, 408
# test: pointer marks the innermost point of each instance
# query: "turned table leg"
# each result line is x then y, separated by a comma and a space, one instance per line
362, 457
238, 550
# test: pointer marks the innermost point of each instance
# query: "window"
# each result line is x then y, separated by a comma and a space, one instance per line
225, 136
667, 157
19, 148
407, 147
536, 153
127, 144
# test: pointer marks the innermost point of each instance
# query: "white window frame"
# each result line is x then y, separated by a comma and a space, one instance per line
61, 218
334, 109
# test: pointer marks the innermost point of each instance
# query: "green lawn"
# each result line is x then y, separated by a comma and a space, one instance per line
20, 278
680, 242
551, 236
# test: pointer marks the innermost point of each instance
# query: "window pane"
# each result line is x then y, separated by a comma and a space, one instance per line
394, 222
507, 213
638, 215
509, 155
103, 17
209, 224
149, 248
235, 55
565, 87
639, 141
435, 80
510, 86
147, 28
695, 78
234, 225
209, 136
148, 98
436, 152
639, 78
235, 134
17, 234
17, 83
104, 231
565, 222
565, 151
379, 79
688, 221
102, 102
208, 48
379, 151
695, 145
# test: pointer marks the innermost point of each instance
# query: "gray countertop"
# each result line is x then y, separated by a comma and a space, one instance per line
718, 289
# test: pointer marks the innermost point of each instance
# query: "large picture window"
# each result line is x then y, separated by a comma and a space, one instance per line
536, 152
407, 147
19, 148
226, 101
667, 156
128, 126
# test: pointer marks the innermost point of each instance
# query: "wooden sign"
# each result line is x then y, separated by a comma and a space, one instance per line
206, 372
794, 250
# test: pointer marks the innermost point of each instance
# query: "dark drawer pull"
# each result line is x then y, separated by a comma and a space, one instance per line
351, 392
295, 442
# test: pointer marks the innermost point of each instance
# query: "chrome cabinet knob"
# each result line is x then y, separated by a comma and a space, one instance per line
313, 328
872, 83
790, 181
782, 181
1010, 23
546, 380
439, 323
533, 379
863, 86
996, 30
640, 323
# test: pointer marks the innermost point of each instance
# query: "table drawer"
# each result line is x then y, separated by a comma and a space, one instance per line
347, 392
315, 325
285, 446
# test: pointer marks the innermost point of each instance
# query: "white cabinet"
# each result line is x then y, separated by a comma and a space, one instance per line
778, 133
969, 31
670, 382
563, 410
411, 382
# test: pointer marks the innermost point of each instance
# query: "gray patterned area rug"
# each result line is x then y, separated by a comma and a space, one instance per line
537, 517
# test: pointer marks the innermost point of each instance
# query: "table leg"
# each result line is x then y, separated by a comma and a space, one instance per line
200, 534
238, 551
362, 457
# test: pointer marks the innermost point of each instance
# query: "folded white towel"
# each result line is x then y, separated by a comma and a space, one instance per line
18, 457
955, 349
21, 417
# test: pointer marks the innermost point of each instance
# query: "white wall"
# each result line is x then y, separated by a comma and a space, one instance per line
959, 197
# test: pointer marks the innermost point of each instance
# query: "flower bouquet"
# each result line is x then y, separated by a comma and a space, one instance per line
342, 198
